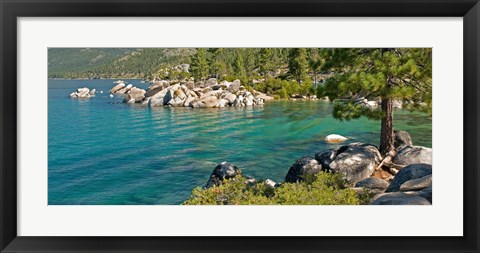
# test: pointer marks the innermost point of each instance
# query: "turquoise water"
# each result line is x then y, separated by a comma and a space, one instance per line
101, 151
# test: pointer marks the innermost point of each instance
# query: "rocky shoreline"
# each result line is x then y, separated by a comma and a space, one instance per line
358, 163
209, 94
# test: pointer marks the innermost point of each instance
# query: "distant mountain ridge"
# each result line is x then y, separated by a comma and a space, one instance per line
112, 62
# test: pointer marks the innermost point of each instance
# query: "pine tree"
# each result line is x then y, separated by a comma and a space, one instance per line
249, 64
403, 75
314, 62
298, 64
265, 61
199, 65
239, 67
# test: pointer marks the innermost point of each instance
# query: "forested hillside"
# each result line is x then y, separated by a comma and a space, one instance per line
112, 62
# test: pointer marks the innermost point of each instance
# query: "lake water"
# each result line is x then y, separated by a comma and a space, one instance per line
104, 152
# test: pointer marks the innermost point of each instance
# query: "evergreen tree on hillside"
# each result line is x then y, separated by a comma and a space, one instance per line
314, 62
239, 68
249, 64
265, 61
389, 74
298, 64
199, 65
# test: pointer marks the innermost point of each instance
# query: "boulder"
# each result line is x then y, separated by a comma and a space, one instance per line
211, 82
230, 97
417, 184
125, 89
176, 102
302, 167
325, 158
399, 198
168, 96
81, 93
335, 138
248, 101
157, 99
401, 139
356, 161
137, 94
234, 86
270, 183
408, 173
223, 171
154, 91
190, 85
188, 101
208, 102
117, 87
424, 193
83, 90
412, 155
222, 102
263, 96
372, 183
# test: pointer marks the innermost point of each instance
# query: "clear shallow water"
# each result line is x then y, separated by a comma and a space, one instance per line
101, 151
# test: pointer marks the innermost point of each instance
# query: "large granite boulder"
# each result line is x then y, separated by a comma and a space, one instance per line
117, 87
356, 161
408, 173
424, 193
211, 82
301, 168
124, 89
401, 139
135, 93
417, 184
325, 158
157, 98
399, 198
234, 86
373, 184
412, 155
81, 93
207, 102
223, 171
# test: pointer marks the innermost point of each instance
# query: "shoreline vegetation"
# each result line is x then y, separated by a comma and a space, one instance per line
350, 175
359, 82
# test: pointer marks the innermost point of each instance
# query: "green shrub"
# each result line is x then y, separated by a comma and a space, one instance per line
320, 189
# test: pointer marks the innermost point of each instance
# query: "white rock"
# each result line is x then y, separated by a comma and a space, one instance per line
335, 138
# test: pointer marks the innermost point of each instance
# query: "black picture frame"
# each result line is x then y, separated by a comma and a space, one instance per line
10, 10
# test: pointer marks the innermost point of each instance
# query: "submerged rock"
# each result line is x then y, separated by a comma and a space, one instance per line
335, 138
81, 93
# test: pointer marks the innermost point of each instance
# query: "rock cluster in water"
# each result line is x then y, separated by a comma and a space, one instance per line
83, 93
357, 162
207, 94
132, 94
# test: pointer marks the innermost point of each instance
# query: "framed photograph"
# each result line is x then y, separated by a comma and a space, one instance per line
239, 126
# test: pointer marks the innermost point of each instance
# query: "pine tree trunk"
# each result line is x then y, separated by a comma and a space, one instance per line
386, 133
